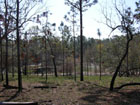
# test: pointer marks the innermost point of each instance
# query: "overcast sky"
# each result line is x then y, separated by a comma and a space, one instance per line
90, 17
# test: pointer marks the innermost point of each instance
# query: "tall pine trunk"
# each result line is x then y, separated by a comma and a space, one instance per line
81, 41
26, 55
63, 57
6, 36
1, 58
100, 59
18, 50
74, 54
46, 59
13, 71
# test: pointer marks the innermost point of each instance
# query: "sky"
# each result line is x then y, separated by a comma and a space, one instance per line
92, 18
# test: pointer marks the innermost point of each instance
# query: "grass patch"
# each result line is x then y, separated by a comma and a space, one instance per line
105, 80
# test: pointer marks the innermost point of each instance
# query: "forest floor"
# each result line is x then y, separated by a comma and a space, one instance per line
68, 92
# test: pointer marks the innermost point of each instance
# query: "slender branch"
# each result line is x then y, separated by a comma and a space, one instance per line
113, 29
73, 4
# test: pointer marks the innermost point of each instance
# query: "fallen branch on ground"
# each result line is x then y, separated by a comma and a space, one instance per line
18, 103
128, 84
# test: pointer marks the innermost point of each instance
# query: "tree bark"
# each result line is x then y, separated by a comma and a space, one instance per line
63, 57
13, 71
81, 41
26, 55
100, 59
74, 53
46, 60
6, 35
87, 68
74, 60
18, 50
1, 65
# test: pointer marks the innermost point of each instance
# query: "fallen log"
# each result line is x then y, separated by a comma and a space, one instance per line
45, 87
128, 84
18, 103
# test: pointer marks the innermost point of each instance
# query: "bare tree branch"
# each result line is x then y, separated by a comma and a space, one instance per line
73, 4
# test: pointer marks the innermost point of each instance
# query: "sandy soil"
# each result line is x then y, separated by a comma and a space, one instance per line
70, 93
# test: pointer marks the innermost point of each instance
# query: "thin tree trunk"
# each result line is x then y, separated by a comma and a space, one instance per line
13, 71
55, 69
6, 35
46, 60
81, 41
6, 64
74, 60
26, 55
74, 54
1, 58
67, 72
87, 69
46, 68
42, 70
25, 70
127, 72
100, 59
37, 70
18, 50
91, 70
63, 57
